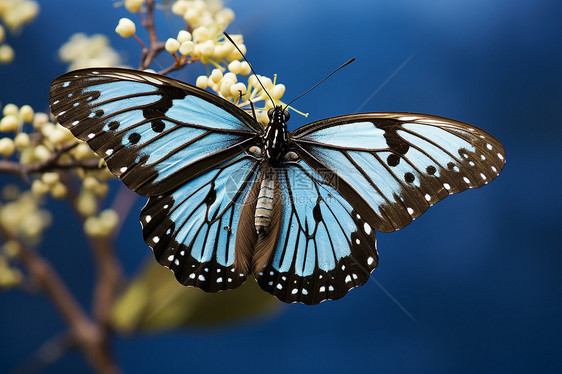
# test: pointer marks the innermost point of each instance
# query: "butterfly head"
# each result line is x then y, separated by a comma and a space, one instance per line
278, 114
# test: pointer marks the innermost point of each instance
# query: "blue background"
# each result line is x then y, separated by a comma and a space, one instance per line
480, 273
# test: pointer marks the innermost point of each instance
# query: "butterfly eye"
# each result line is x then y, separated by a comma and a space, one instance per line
270, 113
286, 115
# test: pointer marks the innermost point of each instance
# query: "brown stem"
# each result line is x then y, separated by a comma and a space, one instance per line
88, 336
52, 163
155, 47
108, 275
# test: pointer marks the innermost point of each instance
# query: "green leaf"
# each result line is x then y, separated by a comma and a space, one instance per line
155, 301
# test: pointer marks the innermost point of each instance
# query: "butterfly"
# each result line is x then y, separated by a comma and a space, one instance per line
229, 198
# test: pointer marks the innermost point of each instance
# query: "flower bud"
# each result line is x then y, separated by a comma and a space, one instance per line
8, 123
202, 82
125, 28
184, 36
7, 147
172, 45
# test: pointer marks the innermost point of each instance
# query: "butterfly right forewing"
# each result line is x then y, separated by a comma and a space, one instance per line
393, 166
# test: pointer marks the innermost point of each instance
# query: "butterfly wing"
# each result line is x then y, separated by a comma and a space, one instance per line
325, 247
154, 132
180, 145
192, 230
357, 173
391, 167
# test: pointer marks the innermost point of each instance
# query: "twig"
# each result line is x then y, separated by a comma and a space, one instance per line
154, 46
85, 333
49, 352
52, 163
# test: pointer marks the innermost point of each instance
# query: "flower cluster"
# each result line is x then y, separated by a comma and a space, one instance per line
22, 220
228, 87
204, 41
10, 276
14, 14
82, 51
21, 216
47, 149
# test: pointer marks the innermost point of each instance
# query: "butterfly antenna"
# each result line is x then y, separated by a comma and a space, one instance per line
317, 84
253, 71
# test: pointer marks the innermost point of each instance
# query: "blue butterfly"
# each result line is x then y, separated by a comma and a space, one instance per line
298, 210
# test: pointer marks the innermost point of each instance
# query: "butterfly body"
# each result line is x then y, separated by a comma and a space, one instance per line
297, 210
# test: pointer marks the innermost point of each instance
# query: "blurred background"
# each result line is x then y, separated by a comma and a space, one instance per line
474, 285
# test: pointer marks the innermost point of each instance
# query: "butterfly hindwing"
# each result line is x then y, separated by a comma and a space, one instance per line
393, 166
192, 230
154, 132
325, 247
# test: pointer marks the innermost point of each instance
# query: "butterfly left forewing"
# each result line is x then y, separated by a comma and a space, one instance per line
325, 247
154, 132
393, 166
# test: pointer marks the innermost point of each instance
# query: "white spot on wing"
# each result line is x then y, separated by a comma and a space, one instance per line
367, 228
348, 279
370, 261
201, 277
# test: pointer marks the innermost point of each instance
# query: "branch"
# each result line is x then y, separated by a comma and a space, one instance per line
52, 163
85, 333
108, 275
154, 46
49, 353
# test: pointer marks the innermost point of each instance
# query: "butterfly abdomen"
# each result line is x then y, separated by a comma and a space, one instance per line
264, 205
